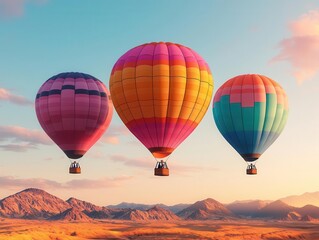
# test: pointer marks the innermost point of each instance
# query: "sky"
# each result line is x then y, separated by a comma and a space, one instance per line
41, 38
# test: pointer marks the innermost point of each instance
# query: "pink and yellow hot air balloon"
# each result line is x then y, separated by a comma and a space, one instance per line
74, 109
161, 91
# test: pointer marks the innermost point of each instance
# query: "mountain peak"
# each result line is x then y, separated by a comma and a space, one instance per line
205, 209
154, 213
277, 209
36, 190
246, 208
303, 199
32, 203
278, 204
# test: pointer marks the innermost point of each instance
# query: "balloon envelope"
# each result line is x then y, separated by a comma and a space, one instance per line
250, 111
74, 110
161, 91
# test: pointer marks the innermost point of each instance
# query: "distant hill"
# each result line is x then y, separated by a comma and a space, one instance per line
158, 213
71, 215
155, 213
291, 216
275, 210
302, 200
310, 210
138, 206
307, 218
108, 213
82, 205
32, 203
178, 207
205, 209
247, 208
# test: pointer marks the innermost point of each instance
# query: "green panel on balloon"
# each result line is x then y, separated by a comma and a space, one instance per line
278, 118
236, 112
283, 121
271, 106
259, 118
218, 117
248, 121
226, 114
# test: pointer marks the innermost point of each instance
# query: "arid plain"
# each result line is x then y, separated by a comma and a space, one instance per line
34, 214
17, 229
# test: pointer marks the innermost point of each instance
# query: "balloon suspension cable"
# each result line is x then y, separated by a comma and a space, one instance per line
162, 159
167, 158
78, 160
253, 162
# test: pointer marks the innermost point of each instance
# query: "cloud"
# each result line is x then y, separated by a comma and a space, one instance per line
301, 50
6, 95
114, 133
134, 162
21, 134
23, 147
119, 130
11, 8
110, 139
96, 155
187, 170
15, 8
99, 183
10, 182
21, 139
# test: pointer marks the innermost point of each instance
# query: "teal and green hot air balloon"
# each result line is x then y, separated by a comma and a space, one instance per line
250, 111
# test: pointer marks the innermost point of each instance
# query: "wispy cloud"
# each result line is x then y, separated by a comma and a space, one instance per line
187, 170
10, 182
99, 183
15, 8
117, 130
6, 95
110, 139
114, 133
19, 139
134, 162
301, 50
21, 134
11, 8
22, 147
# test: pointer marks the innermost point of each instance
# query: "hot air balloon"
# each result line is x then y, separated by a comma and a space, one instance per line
250, 112
74, 109
161, 91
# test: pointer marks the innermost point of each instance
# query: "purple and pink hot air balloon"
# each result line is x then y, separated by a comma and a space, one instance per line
74, 109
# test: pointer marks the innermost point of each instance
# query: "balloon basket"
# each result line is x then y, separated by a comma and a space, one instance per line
161, 169
251, 171
75, 170
161, 172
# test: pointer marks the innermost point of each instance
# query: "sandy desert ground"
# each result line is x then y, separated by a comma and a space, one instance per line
243, 229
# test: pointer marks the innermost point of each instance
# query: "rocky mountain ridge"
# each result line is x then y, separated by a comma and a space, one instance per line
35, 203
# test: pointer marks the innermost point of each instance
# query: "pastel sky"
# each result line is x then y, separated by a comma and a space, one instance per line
40, 38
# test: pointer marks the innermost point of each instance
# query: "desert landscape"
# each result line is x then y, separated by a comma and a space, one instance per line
121, 229
159, 120
38, 215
